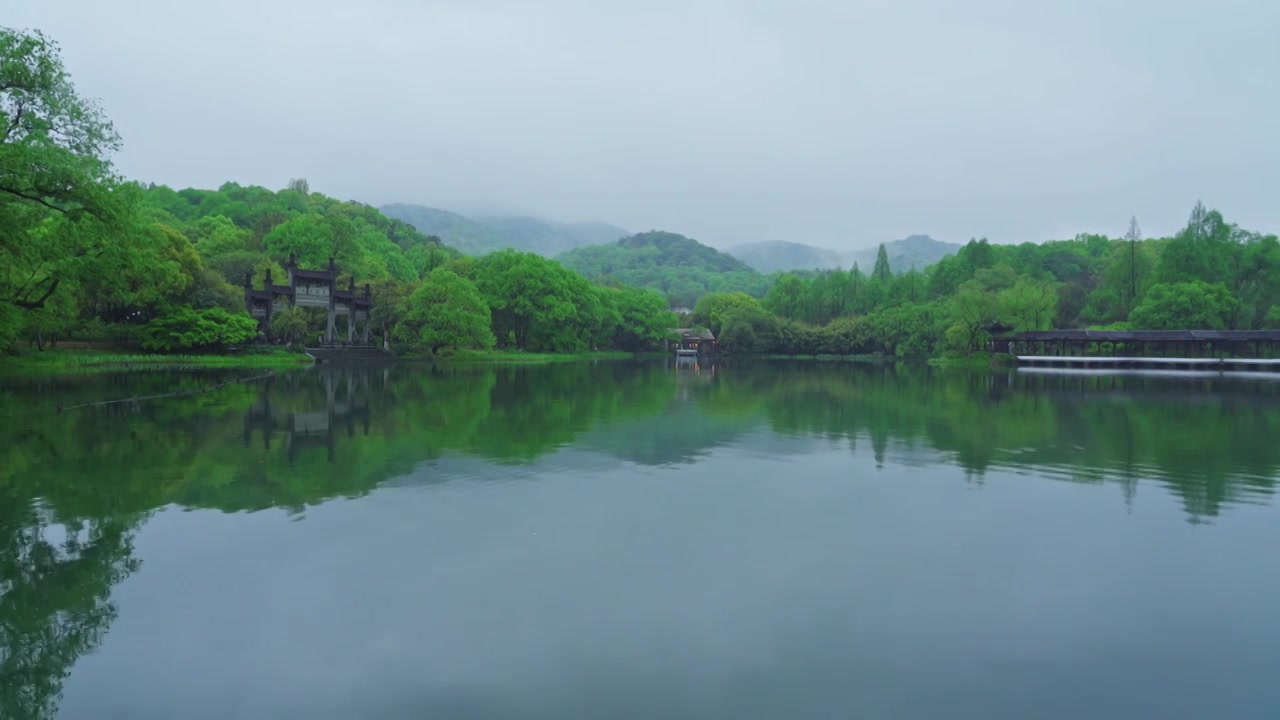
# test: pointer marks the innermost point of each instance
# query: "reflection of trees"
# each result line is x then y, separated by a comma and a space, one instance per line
74, 486
1209, 441
55, 585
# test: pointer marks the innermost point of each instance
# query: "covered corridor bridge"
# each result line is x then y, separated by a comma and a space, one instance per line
1192, 349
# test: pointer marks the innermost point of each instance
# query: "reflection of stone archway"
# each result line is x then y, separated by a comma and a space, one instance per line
345, 407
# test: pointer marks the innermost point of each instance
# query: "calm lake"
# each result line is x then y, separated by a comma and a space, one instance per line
632, 540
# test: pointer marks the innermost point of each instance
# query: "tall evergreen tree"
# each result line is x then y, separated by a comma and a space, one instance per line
882, 271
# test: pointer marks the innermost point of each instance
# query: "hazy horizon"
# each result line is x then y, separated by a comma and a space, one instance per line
838, 125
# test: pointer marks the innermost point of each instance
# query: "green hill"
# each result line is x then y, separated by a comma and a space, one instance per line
237, 229
682, 268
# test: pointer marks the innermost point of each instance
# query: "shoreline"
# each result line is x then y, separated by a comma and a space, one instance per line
72, 360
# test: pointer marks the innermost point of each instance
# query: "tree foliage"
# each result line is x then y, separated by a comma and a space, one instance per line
59, 202
185, 329
1176, 306
446, 311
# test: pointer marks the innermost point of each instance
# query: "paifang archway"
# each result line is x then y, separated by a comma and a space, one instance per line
317, 289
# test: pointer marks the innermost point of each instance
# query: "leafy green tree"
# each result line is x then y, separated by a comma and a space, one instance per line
643, 319
973, 310
58, 207
526, 294
1195, 305
309, 238
290, 326
748, 329
712, 308
1201, 251
446, 311
1028, 305
787, 298
1256, 281
216, 235
186, 329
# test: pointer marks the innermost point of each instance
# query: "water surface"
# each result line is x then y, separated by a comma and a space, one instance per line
634, 540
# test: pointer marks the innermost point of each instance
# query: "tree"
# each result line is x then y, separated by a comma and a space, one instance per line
882, 272
1200, 251
712, 308
528, 297
973, 309
1133, 236
748, 328
1028, 305
1195, 305
186, 329
309, 238
54, 164
446, 311
290, 326
643, 323
299, 185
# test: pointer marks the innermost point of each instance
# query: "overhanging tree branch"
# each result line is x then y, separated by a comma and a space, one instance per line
38, 302
33, 198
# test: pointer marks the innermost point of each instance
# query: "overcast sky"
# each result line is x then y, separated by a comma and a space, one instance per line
841, 124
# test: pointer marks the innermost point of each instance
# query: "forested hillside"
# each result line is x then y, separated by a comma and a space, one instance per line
489, 233
1211, 275
87, 255
681, 268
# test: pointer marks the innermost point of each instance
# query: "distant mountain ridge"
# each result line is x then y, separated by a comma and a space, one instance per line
682, 268
477, 236
918, 251
913, 251
482, 234
779, 256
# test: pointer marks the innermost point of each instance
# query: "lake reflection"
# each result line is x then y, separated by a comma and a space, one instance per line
636, 539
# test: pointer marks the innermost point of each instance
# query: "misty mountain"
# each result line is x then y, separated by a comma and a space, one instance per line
918, 251
551, 238
682, 268
779, 256
455, 230
476, 236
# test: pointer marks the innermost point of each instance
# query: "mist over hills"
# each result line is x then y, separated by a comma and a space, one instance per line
479, 235
916, 251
